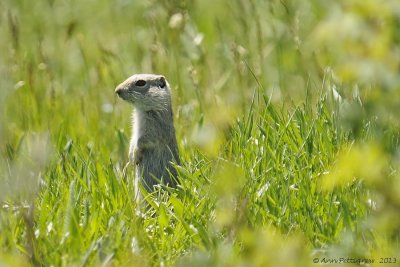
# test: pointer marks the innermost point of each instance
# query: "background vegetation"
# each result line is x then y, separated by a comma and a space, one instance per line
286, 115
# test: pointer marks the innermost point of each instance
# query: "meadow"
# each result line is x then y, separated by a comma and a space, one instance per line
287, 122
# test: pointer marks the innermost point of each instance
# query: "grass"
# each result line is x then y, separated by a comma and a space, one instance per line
260, 132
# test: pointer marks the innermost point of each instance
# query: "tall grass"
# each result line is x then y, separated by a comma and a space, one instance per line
286, 155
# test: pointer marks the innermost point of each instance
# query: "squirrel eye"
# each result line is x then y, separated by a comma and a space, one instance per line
140, 83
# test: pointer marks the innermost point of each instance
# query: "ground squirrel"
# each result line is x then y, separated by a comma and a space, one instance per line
153, 144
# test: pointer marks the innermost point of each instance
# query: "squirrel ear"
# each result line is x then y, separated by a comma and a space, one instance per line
163, 83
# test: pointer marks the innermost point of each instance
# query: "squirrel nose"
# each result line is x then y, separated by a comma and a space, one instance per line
119, 90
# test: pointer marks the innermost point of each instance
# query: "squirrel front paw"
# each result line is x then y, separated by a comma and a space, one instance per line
137, 156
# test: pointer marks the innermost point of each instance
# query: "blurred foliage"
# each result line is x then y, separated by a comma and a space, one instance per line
366, 162
286, 115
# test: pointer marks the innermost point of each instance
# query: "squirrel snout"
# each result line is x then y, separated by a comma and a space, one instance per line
119, 90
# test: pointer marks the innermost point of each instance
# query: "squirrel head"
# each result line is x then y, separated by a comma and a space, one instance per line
148, 92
